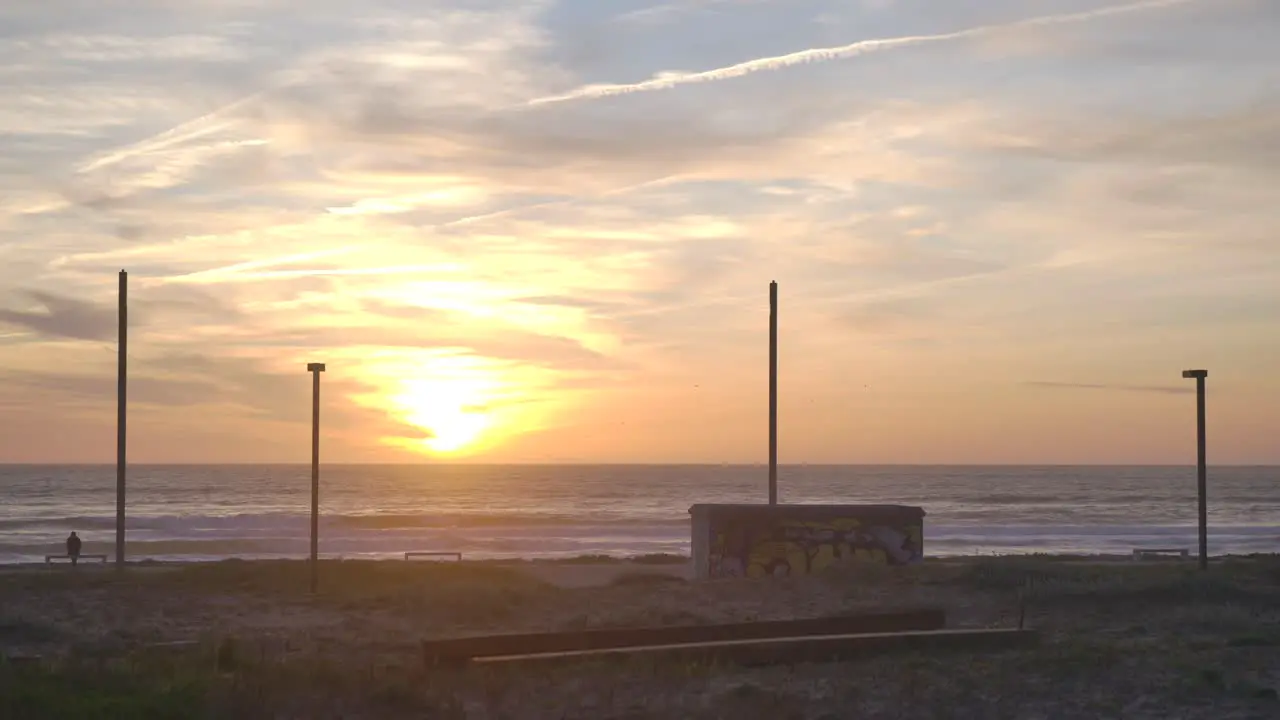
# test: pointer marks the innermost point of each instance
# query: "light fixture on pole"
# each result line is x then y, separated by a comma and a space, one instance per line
315, 369
1201, 466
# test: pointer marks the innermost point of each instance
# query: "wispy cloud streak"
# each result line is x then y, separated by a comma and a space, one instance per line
667, 80
1158, 389
201, 279
229, 271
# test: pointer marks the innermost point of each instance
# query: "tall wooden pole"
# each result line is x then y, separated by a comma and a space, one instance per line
122, 402
315, 369
1202, 468
1202, 472
773, 393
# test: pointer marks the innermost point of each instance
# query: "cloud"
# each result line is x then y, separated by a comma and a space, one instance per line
246, 382
244, 391
1157, 389
199, 128
164, 392
892, 316
63, 317
102, 48
1246, 137
667, 12
507, 345
181, 305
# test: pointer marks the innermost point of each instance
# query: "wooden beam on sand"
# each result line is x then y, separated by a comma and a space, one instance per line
461, 650
822, 648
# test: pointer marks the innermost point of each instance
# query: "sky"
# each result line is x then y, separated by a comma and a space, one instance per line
543, 231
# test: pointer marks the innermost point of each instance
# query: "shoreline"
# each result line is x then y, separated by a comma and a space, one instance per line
643, 560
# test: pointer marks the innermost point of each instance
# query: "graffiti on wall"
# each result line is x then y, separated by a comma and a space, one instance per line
745, 547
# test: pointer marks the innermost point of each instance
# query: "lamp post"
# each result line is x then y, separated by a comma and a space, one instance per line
773, 393
122, 415
315, 369
1201, 467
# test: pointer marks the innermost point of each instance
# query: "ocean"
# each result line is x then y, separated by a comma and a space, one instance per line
210, 512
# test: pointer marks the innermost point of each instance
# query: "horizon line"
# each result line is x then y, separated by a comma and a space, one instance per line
564, 463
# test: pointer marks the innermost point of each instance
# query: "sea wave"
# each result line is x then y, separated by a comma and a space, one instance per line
292, 520
212, 512
548, 540
1223, 539
477, 547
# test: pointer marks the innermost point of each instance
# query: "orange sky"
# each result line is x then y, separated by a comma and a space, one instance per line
544, 232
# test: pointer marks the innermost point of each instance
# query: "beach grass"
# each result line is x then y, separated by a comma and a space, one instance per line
246, 640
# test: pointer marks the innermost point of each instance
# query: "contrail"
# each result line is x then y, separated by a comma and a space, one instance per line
206, 124
667, 80
230, 270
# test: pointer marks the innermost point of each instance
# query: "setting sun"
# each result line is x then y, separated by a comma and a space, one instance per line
452, 410
448, 402
447, 395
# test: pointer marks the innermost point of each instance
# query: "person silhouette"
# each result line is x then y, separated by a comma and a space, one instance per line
73, 547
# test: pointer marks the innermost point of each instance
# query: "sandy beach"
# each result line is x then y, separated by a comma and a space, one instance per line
246, 639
